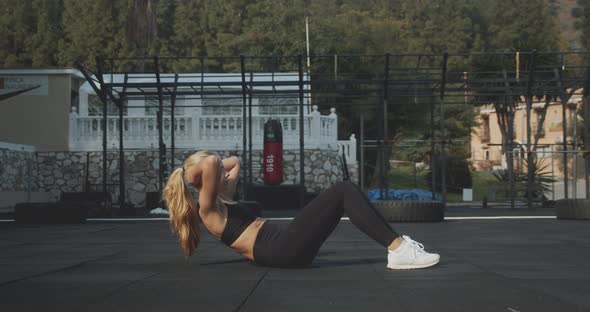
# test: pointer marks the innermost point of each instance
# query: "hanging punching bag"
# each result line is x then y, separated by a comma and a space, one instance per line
273, 152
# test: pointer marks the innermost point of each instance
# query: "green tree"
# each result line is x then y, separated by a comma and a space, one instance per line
510, 26
514, 25
17, 22
93, 28
223, 24
188, 39
584, 24
275, 28
43, 43
141, 29
164, 14
440, 25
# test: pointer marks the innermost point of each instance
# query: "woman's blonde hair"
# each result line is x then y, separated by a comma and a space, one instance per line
184, 218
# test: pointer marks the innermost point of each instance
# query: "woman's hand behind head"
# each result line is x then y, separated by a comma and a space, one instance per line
195, 174
210, 173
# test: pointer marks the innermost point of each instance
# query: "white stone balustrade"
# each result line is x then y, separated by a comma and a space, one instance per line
220, 132
348, 148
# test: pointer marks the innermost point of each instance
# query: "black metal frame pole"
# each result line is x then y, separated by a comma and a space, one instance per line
100, 93
160, 120
202, 59
529, 107
432, 152
442, 127
87, 173
574, 114
245, 160
250, 95
384, 162
362, 153
104, 123
301, 133
121, 152
173, 124
586, 110
563, 98
509, 154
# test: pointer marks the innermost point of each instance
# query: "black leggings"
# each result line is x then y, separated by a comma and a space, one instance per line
298, 243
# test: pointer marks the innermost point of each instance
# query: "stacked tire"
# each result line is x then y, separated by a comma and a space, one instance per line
96, 204
574, 209
411, 211
49, 213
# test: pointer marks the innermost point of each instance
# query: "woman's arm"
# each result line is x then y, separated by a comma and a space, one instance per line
210, 170
231, 165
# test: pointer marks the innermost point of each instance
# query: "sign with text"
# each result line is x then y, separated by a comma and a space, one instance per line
16, 83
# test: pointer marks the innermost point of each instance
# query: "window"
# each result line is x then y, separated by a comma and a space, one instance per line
218, 105
152, 105
95, 107
486, 155
278, 105
518, 153
485, 137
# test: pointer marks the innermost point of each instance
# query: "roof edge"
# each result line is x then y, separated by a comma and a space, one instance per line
41, 71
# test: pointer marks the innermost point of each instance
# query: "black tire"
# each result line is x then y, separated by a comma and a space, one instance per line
572, 209
411, 211
96, 204
49, 213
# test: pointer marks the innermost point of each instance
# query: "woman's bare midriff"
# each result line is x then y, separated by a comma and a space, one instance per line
244, 245
215, 223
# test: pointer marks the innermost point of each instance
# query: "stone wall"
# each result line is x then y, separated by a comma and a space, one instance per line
14, 170
58, 172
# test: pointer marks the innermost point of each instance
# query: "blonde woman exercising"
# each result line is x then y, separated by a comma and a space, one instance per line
263, 241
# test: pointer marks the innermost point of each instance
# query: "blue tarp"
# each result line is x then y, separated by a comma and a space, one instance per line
415, 194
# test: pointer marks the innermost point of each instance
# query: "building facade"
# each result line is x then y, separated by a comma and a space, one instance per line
486, 138
39, 117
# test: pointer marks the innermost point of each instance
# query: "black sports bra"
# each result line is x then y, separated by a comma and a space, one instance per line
237, 222
238, 219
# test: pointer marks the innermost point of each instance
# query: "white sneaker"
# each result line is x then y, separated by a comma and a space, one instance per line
410, 255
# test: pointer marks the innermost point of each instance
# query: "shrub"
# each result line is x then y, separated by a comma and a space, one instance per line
458, 175
542, 180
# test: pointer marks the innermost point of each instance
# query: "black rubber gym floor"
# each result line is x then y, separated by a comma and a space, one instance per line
540, 264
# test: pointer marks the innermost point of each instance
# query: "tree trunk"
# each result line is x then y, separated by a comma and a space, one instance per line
141, 28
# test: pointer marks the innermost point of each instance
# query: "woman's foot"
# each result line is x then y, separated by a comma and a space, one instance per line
410, 255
